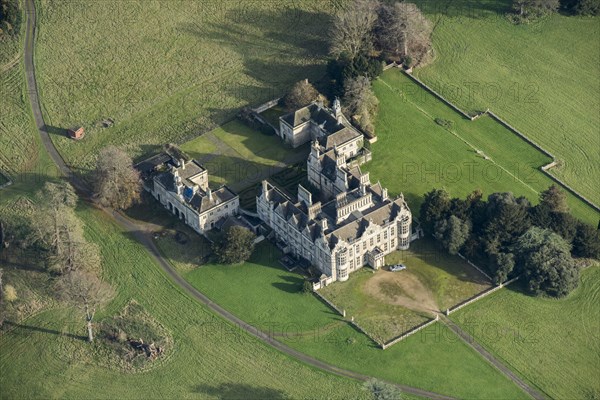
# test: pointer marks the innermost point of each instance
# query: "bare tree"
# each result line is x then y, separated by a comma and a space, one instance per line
116, 183
301, 94
360, 102
402, 30
527, 9
84, 290
58, 230
352, 29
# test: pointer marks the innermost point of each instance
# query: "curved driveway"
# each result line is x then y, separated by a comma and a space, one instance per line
145, 238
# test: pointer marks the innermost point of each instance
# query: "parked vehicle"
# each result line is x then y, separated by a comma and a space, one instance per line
397, 267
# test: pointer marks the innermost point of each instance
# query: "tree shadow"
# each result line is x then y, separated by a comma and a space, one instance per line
290, 46
230, 391
45, 330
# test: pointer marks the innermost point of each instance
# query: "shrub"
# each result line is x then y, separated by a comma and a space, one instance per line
444, 123
307, 287
302, 94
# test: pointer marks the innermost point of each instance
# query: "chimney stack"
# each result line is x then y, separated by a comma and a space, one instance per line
209, 194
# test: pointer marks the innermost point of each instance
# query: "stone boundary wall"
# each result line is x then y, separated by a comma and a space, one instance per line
330, 304
410, 332
548, 166
364, 332
514, 130
475, 266
265, 106
439, 96
391, 65
479, 296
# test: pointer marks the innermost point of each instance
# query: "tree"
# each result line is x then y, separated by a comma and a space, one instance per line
9, 293
504, 263
361, 103
352, 29
237, 246
58, 231
554, 199
587, 7
403, 31
382, 390
434, 208
546, 262
84, 290
116, 183
531, 9
565, 225
586, 242
452, 233
342, 69
302, 93
507, 219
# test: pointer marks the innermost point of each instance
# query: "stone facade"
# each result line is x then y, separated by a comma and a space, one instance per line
357, 223
183, 189
328, 127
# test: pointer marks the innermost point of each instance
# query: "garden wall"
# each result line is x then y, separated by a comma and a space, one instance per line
479, 296
514, 130
407, 334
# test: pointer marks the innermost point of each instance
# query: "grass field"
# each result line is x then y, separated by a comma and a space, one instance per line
21, 156
432, 358
387, 304
543, 78
263, 293
553, 343
210, 357
414, 154
166, 71
239, 156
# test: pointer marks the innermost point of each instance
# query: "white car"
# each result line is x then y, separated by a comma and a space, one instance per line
397, 267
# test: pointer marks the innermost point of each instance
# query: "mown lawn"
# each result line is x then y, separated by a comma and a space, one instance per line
543, 78
167, 71
553, 343
262, 293
449, 278
239, 156
414, 154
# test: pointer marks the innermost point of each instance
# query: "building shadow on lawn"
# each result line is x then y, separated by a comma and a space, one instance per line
293, 285
227, 391
45, 330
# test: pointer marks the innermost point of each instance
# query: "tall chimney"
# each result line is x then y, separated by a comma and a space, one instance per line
209, 194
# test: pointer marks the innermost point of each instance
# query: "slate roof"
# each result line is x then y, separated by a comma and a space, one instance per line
350, 229
202, 203
340, 137
319, 115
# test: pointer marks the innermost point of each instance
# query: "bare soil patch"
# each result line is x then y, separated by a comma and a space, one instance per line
402, 289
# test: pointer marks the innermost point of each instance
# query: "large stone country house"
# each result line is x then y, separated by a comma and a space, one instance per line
329, 127
182, 188
355, 224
